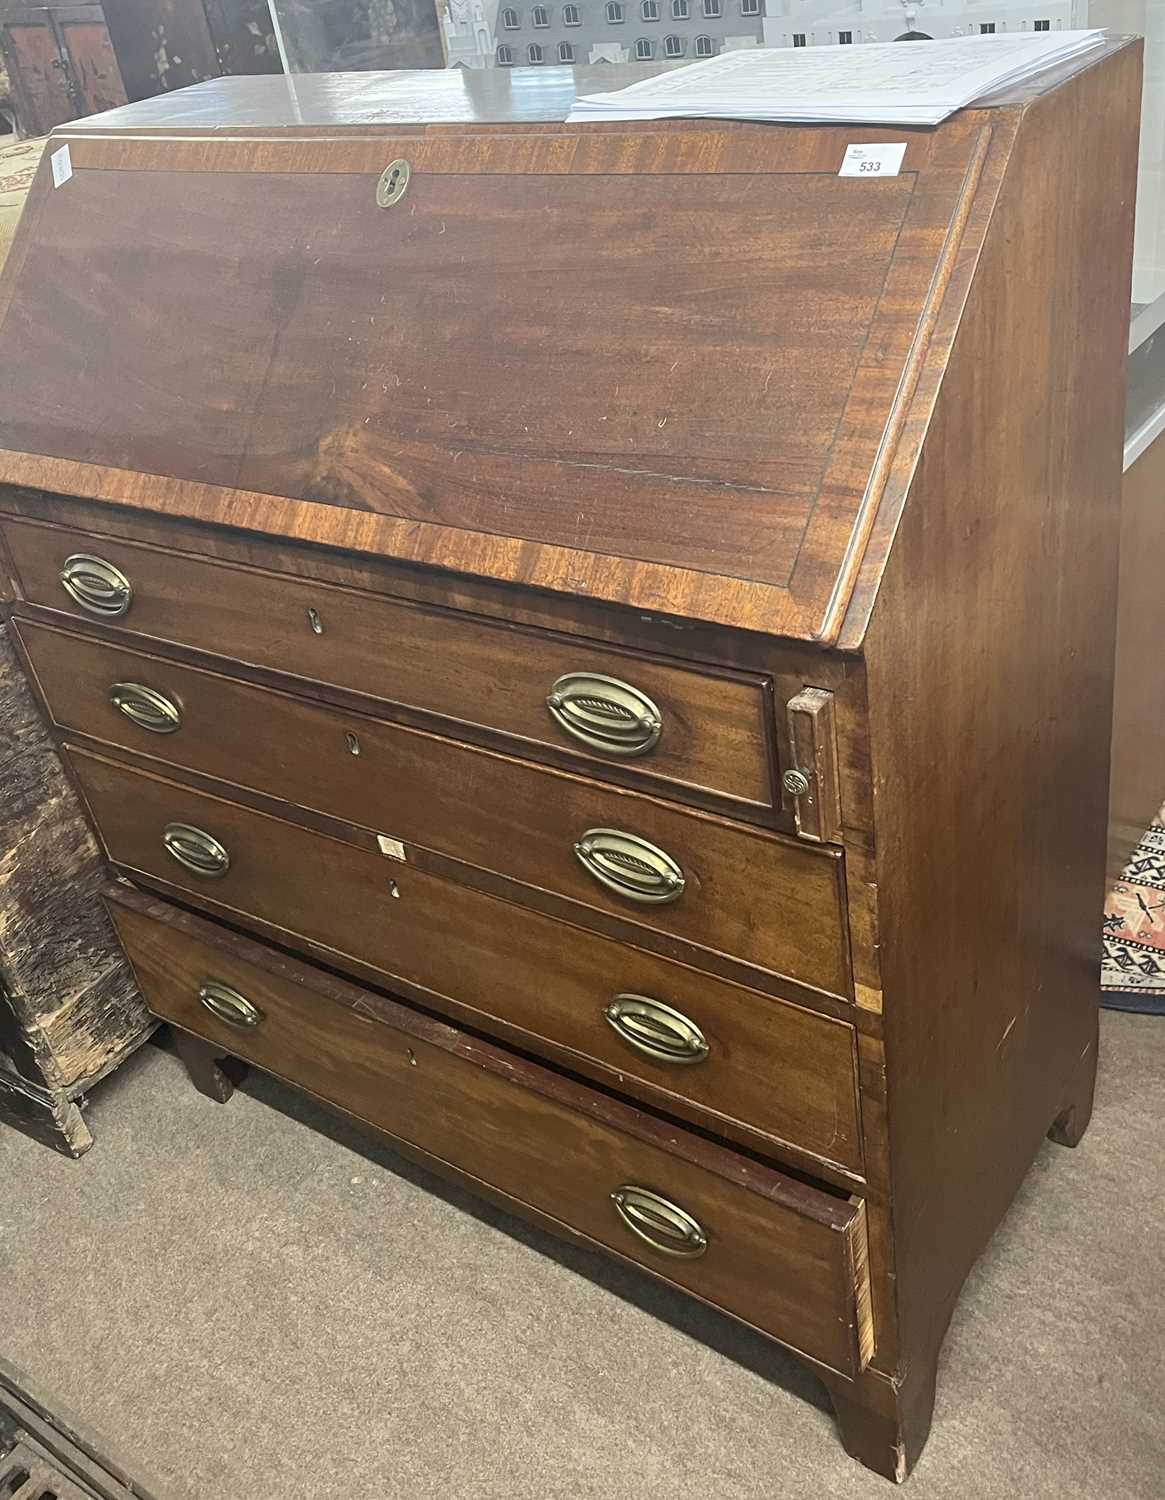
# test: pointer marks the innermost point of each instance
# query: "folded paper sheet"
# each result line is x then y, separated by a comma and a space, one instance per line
915, 83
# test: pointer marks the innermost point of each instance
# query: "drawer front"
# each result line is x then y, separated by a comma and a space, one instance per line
755, 896
778, 1253
770, 1068
699, 730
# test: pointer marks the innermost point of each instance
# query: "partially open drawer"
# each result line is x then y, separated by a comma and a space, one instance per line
749, 1065
780, 1254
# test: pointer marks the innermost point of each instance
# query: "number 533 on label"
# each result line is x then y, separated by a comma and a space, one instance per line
873, 161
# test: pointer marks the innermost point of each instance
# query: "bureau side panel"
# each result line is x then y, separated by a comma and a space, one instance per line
990, 660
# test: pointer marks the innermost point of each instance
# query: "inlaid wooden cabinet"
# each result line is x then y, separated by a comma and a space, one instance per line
590, 649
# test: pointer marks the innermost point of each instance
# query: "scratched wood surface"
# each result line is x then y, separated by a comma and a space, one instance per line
69, 1007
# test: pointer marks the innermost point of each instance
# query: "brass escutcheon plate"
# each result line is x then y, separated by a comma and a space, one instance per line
393, 184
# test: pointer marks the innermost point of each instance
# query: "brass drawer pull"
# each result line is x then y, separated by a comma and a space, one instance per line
630, 866
605, 714
228, 1005
145, 707
659, 1223
96, 585
201, 853
656, 1030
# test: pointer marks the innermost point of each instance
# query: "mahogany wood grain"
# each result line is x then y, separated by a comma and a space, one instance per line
835, 283
761, 898
446, 402
989, 663
790, 666
774, 1070
463, 670
781, 1255
945, 575
652, 939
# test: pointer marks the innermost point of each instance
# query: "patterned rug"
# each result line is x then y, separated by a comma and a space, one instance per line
1132, 969
18, 163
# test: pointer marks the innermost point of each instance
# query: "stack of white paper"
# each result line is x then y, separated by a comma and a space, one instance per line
906, 83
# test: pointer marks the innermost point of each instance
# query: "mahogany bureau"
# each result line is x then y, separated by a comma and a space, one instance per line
589, 648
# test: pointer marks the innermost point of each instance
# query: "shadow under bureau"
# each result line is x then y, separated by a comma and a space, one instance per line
589, 648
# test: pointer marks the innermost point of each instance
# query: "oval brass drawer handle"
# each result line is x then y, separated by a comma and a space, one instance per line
200, 852
228, 1005
656, 1030
605, 714
659, 1223
145, 707
96, 585
630, 866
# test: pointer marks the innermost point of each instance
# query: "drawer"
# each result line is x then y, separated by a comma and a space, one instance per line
712, 728
756, 896
778, 1253
771, 1070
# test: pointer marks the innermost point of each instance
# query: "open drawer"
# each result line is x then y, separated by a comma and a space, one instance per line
780, 1254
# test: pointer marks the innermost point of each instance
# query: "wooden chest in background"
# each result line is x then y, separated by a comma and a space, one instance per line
590, 648
70, 1010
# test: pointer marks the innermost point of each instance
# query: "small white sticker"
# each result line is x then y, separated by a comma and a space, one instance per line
873, 161
62, 165
390, 848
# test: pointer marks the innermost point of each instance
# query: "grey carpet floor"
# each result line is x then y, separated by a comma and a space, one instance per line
235, 1304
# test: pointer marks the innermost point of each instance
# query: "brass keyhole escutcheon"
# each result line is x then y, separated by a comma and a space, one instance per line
393, 184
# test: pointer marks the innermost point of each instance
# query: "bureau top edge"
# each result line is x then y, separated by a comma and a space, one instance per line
386, 100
